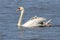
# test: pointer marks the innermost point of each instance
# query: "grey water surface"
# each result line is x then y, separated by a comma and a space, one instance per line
41, 8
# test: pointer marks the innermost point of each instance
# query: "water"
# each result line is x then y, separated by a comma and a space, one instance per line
42, 8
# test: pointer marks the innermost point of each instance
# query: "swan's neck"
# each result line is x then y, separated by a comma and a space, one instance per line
20, 19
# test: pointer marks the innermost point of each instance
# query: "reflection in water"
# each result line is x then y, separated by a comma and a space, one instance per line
30, 33
21, 33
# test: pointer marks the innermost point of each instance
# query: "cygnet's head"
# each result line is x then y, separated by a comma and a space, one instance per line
20, 9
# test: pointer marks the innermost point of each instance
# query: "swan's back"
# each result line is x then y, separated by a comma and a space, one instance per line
34, 21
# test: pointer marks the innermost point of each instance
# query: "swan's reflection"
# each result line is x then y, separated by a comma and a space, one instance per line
29, 33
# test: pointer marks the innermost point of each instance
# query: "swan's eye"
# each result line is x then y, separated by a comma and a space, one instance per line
18, 8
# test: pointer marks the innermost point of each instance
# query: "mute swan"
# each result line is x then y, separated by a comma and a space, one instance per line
33, 22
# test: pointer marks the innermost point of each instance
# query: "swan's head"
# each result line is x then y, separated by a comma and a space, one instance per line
20, 9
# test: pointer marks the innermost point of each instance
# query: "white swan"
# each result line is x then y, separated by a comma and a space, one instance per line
33, 22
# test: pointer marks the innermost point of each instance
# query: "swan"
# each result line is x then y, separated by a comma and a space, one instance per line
33, 22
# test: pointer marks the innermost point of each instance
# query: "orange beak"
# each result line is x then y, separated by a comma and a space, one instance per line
18, 10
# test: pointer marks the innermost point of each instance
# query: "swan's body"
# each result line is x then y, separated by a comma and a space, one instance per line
33, 22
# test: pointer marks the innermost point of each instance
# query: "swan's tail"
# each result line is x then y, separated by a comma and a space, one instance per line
48, 21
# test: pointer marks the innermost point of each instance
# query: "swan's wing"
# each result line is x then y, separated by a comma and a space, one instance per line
38, 18
42, 19
34, 22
